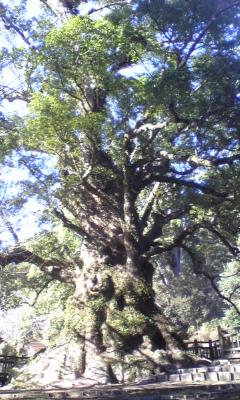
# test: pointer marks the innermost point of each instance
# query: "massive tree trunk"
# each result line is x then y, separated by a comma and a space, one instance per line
122, 328
118, 332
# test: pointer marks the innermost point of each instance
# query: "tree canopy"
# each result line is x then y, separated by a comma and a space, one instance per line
130, 140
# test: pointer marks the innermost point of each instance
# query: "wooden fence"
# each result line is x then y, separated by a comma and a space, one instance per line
229, 343
210, 350
226, 346
7, 363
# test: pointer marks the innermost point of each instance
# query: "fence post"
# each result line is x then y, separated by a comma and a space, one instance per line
221, 340
195, 346
211, 350
4, 364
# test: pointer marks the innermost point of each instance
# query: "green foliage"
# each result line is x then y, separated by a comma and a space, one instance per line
8, 135
53, 122
77, 319
230, 285
60, 243
44, 320
187, 298
43, 299
128, 322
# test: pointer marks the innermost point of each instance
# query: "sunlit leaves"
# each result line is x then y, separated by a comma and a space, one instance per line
53, 123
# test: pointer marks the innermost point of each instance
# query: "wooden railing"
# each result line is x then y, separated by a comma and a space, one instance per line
226, 346
210, 350
7, 363
229, 343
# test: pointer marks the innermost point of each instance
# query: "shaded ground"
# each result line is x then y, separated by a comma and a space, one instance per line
163, 391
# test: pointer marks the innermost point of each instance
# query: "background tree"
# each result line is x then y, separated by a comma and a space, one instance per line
132, 140
229, 286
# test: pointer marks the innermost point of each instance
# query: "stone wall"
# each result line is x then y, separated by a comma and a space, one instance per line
219, 373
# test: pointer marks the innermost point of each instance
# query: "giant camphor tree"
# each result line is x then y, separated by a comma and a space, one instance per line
132, 139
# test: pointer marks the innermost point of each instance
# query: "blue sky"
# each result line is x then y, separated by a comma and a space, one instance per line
11, 176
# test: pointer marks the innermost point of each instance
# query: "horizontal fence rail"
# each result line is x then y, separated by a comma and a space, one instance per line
7, 363
227, 346
210, 350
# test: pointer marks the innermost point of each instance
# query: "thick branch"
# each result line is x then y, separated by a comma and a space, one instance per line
117, 3
12, 94
204, 32
106, 161
181, 182
142, 127
70, 225
225, 160
148, 206
55, 268
177, 242
233, 249
196, 161
9, 24
182, 173
159, 219
62, 9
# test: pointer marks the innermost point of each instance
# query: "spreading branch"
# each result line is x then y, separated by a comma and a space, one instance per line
117, 3
159, 219
181, 182
57, 269
9, 24
9, 226
177, 241
196, 161
12, 94
232, 249
204, 31
197, 268
70, 225
45, 286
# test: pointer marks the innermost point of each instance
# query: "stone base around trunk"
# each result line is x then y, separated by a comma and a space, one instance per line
71, 364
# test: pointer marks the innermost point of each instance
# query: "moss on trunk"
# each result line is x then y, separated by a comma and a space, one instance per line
115, 330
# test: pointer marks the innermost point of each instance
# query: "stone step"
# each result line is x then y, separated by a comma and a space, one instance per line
214, 368
227, 373
221, 376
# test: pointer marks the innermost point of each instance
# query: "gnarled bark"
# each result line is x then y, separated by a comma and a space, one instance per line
123, 333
